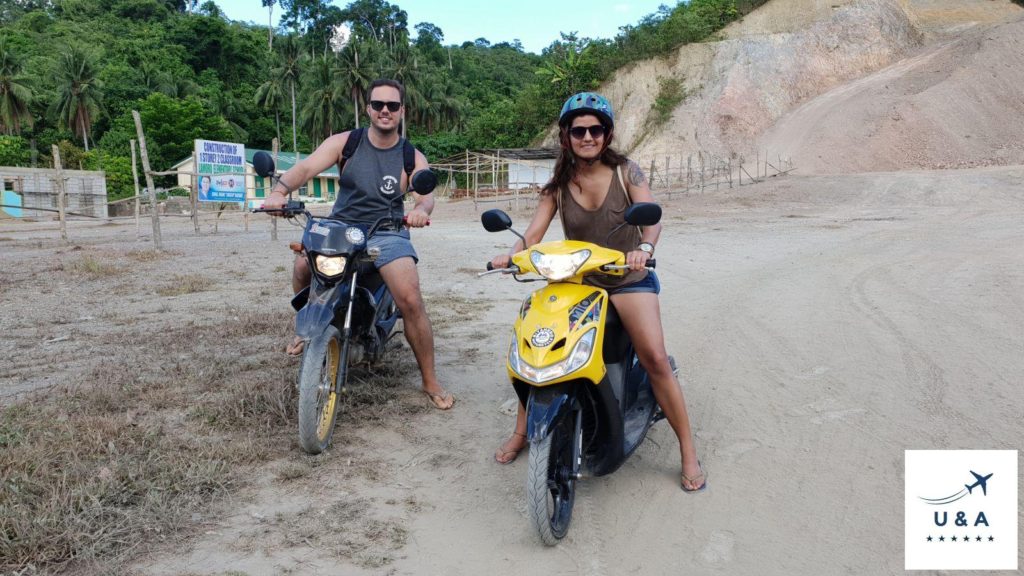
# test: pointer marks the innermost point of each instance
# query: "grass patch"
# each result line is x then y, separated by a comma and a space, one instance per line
150, 255
95, 269
185, 284
93, 470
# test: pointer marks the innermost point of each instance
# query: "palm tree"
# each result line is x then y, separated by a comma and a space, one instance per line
354, 71
323, 100
288, 73
15, 92
402, 67
79, 93
270, 96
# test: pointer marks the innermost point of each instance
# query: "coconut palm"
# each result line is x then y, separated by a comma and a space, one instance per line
15, 92
354, 72
271, 96
79, 93
289, 72
323, 99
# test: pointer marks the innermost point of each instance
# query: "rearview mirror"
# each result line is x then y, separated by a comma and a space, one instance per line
643, 214
263, 164
495, 220
424, 181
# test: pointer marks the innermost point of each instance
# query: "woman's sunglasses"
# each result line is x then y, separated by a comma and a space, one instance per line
379, 105
580, 132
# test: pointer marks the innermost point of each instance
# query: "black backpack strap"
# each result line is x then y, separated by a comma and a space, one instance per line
409, 156
354, 138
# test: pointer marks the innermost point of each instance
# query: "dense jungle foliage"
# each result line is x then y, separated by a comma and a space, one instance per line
71, 72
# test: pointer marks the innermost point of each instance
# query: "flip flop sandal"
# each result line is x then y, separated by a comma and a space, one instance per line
442, 396
502, 456
693, 480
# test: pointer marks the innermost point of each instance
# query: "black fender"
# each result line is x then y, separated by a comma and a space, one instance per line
318, 313
545, 406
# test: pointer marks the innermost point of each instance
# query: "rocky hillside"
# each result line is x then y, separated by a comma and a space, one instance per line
840, 85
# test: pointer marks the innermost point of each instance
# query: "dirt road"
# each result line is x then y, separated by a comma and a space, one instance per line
823, 325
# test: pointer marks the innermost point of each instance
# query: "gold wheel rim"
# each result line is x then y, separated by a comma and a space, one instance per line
327, 380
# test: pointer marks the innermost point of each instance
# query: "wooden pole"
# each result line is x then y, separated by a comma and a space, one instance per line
193, 194
135, 180
62, 200
273, 220
157, 241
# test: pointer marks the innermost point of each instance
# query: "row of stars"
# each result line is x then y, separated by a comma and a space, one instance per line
964, 539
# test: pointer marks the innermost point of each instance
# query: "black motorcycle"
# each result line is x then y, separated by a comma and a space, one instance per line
346, 313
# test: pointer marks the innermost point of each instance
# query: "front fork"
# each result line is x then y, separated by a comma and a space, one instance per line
544, 410
346, 336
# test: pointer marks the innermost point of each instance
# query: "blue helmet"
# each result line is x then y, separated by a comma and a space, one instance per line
587, 103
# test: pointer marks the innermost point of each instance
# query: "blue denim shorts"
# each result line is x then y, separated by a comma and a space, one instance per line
649, 284
393, 245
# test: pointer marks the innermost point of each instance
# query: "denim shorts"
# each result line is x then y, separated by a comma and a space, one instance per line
393, 245
650, 284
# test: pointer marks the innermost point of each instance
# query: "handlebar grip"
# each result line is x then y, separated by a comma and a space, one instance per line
490, 266
651, 263
405, 220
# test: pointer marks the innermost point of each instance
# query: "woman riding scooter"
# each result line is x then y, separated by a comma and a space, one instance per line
591, 187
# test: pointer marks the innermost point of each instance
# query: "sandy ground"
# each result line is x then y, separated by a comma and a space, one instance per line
823, 326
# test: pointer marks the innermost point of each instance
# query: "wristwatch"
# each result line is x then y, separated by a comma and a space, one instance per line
647, 247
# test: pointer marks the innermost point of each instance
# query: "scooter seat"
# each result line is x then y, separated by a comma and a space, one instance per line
616, 339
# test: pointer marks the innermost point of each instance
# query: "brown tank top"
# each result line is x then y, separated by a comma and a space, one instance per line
593, 226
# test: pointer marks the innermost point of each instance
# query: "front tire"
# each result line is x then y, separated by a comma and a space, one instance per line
551, 475
322, 374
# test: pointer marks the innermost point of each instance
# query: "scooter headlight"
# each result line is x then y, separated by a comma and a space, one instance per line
330, 266
558, 266
577, 359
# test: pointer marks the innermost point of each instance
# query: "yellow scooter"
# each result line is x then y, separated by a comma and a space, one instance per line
589, 402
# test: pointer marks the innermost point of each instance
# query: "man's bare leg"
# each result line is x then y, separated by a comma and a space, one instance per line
403, 281
300, 279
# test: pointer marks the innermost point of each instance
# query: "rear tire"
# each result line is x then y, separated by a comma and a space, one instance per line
554, 463
323, 372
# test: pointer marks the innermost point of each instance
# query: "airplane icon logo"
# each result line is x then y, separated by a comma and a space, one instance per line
981, 481
967, 489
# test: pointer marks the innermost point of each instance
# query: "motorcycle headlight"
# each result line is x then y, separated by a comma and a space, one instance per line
330, 265
558, 266
577, 359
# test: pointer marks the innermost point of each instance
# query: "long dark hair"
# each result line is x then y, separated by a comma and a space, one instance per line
565, 166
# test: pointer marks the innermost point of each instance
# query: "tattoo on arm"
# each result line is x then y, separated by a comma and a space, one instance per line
636, 174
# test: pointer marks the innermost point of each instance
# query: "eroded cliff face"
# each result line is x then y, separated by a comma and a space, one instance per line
781, 58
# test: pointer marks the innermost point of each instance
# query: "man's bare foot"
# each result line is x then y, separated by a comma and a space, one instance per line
295, 347
442, 400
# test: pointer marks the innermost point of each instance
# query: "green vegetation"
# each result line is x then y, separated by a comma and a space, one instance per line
670, 94
71, 71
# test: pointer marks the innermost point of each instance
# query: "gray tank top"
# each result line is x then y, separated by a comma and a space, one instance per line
370, 183
593, 226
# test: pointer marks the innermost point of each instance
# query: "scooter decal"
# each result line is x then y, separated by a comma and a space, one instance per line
543, 337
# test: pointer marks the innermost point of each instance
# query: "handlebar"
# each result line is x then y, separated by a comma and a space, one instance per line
649, 264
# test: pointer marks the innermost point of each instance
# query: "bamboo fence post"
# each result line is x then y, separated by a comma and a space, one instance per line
700, 159
273, 220
730, 173
61, 194
144, 154
193, 194
135, 181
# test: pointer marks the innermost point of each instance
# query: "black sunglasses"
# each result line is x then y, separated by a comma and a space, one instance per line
596, 131
379, 105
